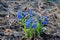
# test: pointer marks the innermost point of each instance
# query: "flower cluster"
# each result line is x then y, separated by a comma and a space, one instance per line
27, 19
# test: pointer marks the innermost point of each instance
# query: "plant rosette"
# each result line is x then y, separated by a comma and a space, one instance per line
31, 26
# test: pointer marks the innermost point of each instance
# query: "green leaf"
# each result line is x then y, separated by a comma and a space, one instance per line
38, 28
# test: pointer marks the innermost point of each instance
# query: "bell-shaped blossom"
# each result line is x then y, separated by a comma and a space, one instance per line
19, 15
34, 26
45, 17
44, 22
28, 22
24, 14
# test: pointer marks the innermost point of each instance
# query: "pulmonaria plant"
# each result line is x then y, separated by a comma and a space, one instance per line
31, 25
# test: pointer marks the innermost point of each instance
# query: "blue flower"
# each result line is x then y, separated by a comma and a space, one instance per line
45, 20
34, 26
28, 22
19, 15
30, 11
45, 17
34, 23
30, 16
24, 14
